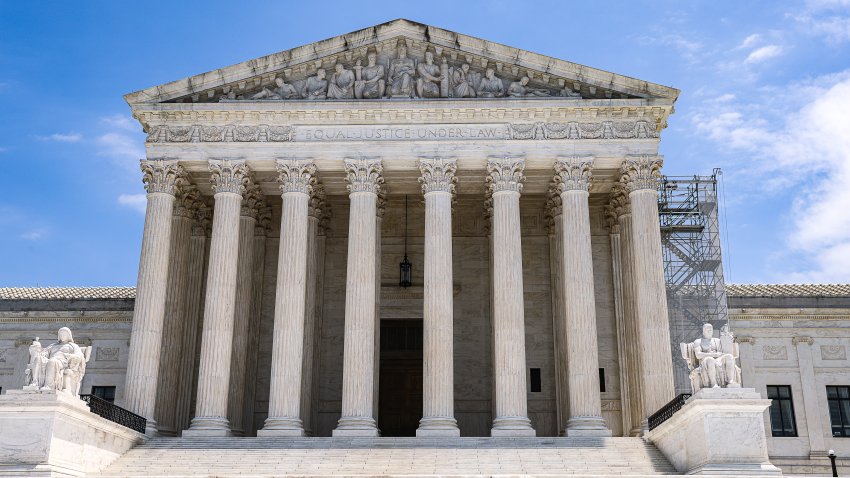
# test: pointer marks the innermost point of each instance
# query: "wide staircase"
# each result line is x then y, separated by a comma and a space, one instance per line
267, 457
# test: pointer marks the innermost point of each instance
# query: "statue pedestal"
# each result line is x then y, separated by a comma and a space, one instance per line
53, 434
719, 431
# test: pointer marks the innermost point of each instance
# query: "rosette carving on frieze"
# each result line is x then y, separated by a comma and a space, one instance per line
505, 174
438, 174
641, 172
295, 175
229, 176
364, 175
162, 176
573, 174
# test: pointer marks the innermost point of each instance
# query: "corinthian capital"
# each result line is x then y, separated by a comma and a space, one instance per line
252, 200
162, 176
317, 200
641, 172
295, 175
229, 176
573, 174
619, 200
438, 174
364, 175
188, 202
505, 174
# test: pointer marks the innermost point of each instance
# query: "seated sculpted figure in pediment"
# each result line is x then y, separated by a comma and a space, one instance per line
462, 82
428, 83
401, 73
520, 89
282, 91
712, 361
491, 86
341, 86
60, 366
316, 86
370, 78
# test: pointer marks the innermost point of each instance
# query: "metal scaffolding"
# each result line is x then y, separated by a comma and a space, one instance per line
693, 270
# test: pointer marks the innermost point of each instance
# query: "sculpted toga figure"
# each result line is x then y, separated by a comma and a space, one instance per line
401, 73
428, 83
59, 366
491, 86
316, 87
284, 91
461, 82
712, 357
341, 86
520, 89
370, 79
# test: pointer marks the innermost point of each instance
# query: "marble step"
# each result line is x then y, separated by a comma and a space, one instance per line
266, 457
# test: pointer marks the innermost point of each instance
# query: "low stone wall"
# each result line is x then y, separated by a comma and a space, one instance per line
54, 434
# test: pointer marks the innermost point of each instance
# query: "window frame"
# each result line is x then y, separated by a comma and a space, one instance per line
780, 432
94, 389
844, 417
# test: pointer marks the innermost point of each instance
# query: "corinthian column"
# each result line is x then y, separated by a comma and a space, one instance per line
228, 179
364, 182
251, 203
504, 178
314, 215
438, 185
640, 176
290, 301
175, 311
556, 265
572, 177
162, 178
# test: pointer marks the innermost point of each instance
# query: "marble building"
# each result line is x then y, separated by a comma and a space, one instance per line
283, 192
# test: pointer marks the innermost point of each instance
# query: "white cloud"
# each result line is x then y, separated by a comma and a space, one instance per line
688, 48
122, 122
123, 142
805, 149
62, 138
829, 19
137, 202
763, 53
34, 234
750, 41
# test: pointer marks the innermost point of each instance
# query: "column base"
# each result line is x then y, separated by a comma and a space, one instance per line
438, 427
587, 426
208, 427
356, 427
512, 427
151, 429
282, 427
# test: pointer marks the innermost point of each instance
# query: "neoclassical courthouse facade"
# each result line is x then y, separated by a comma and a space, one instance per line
285, 191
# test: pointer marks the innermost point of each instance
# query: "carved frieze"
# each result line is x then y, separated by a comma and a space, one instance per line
774, 352
107, 354
833, 352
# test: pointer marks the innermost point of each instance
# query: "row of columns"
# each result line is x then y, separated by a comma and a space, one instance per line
227, 331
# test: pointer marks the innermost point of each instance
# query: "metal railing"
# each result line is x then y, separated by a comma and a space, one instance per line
114, 413
668, 410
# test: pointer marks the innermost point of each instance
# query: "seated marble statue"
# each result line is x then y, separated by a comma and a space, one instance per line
428, 83
712, 360
491, 86
370, 78
567, 92
316, 87
401, 73
341, 86
520, 89
283, 91
461, 82
60, 366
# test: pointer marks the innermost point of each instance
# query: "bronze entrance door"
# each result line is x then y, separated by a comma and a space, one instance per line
400, 380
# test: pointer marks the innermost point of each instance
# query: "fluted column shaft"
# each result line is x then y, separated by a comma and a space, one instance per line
242, 315
194, 302
258, 279
508, 307
573, 180
634, 360
290, 301
220, 302
622, 340
640, 176
556, 251
175, 318
310, 322
359, 347
376, 385
438, 314
160, 178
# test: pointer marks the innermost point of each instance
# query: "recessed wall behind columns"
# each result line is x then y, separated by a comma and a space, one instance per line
472, 329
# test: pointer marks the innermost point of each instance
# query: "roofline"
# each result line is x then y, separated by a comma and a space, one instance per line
367, 36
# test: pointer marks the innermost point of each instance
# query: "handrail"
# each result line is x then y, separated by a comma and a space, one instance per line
667, 410
114, 413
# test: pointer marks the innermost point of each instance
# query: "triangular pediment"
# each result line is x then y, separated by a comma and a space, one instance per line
460, 61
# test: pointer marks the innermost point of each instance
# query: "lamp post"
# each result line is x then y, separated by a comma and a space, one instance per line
405, 266
832, 461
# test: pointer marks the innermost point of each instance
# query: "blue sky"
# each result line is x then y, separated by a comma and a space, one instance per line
765, 96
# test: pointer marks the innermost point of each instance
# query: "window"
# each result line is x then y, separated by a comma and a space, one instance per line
601, 380
106, 393
839, 410
782, 422
536, 385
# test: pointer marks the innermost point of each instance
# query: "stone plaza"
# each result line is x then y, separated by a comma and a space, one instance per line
403, 245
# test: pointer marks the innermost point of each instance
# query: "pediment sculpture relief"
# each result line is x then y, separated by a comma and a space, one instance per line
60, 366
400, 75
712, 361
